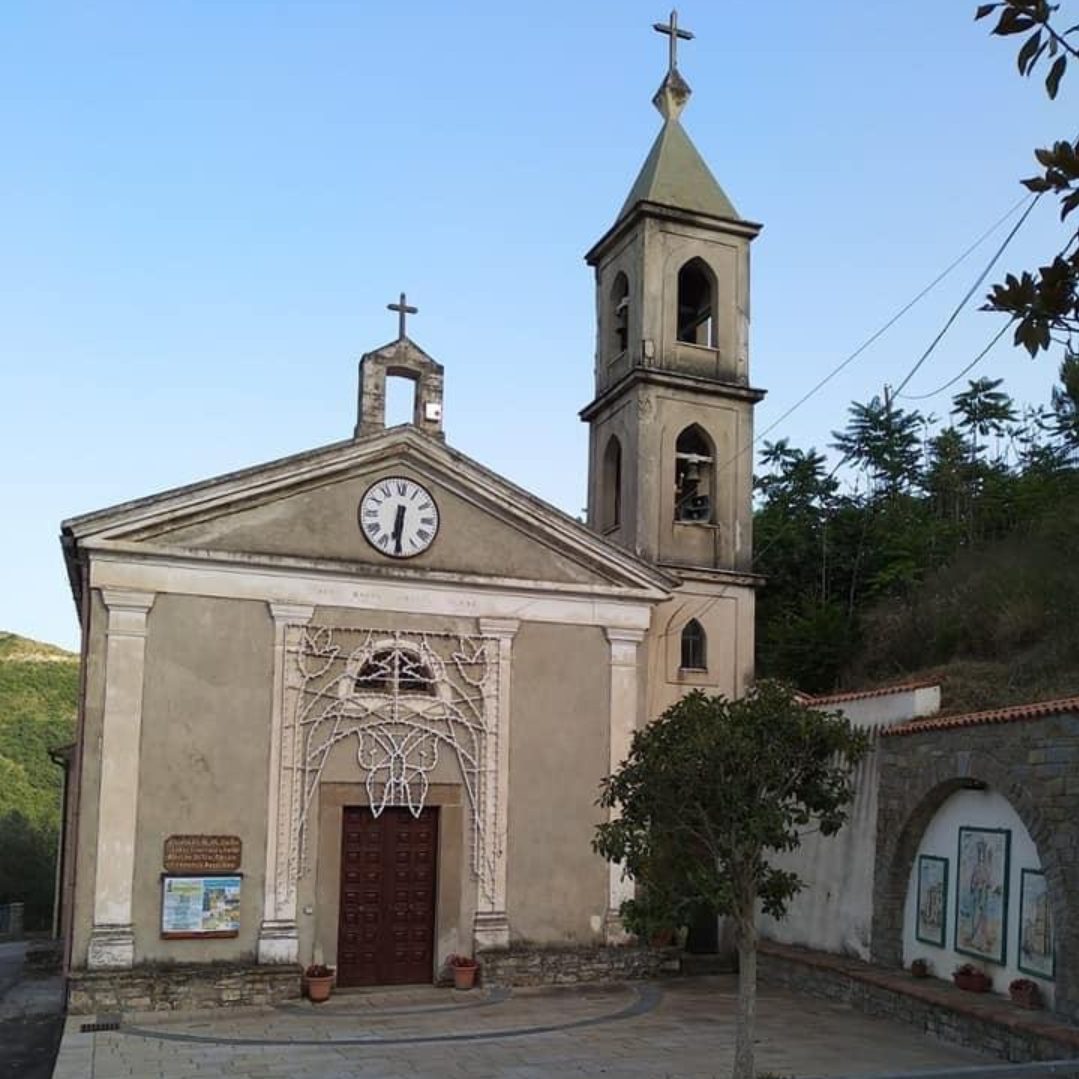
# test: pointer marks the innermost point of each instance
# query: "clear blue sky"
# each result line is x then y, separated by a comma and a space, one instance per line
204, 208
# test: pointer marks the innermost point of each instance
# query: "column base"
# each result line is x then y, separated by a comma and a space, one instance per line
279, 942
491, 929
112, 947
614, 932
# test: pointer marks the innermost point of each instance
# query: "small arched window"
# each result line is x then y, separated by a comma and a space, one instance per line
694, 647
611, 495
696, 304
395, 670
619, 314
694, 473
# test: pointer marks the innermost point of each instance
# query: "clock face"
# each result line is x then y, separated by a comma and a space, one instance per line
398, 517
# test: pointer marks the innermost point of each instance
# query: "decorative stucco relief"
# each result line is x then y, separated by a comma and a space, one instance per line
408, 700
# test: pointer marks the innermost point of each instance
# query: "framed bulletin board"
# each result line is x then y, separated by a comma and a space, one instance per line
200, 906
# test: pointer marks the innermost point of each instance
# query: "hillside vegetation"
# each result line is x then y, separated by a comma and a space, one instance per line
38, 693
951, 552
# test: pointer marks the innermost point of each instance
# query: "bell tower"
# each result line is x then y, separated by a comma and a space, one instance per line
671, 423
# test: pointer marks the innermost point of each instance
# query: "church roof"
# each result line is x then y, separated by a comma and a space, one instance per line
674, 174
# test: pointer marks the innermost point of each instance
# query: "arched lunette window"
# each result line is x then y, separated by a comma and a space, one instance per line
395, 670
696, 304
694, 647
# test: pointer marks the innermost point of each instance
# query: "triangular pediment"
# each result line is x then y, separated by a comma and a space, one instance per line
304, 509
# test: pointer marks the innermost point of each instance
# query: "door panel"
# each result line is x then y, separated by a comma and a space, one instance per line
387, 917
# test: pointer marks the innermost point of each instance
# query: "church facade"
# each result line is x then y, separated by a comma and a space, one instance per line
355, 705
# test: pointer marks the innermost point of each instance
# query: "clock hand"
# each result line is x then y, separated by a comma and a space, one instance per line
398, 528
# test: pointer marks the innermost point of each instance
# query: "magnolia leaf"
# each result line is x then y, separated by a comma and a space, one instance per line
1056, 73
1028, 54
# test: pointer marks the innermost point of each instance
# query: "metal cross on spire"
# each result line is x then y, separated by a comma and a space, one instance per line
403, 311
673, 33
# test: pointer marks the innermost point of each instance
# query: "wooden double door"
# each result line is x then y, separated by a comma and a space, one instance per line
388, 873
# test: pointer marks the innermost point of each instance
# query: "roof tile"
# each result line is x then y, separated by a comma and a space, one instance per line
1035, 710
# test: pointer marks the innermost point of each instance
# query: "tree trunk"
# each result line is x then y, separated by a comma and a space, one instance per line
747, 992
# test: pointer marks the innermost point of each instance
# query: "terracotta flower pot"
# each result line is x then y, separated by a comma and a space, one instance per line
318, 989
1026, 996
465, 977
973, 983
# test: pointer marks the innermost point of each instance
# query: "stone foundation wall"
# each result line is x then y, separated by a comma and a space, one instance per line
986, 1022
169, 988
525, 965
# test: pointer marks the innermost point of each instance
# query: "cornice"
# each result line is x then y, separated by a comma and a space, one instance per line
675, 380
643, 209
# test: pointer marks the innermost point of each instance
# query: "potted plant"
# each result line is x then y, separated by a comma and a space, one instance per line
919, 968
464, 969
318, 982
969, 977
1025, 993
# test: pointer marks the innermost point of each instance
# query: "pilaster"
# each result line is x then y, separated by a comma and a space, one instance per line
278, 935
491, 928
623, 722
112, 941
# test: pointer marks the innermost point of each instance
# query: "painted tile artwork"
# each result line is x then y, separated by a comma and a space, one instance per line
1035, 925
932, 899
981, 893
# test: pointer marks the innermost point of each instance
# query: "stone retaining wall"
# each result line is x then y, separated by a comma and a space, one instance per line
1034, 763
168, 988
976, 1020
534, 965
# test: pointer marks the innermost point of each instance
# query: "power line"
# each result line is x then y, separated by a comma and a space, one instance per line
966, 370
843, 364
970, 292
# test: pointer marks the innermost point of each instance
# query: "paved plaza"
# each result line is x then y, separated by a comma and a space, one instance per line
682, 1029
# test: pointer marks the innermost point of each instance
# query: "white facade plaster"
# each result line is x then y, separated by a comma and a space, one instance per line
978, 809
623, 722
112, 942
278, 935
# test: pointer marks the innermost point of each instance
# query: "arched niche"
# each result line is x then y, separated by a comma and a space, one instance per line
973, 864
611, 493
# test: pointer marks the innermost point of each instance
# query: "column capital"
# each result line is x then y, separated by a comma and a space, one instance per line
128, 611
502, 628
124, 599
617, 635
294, 613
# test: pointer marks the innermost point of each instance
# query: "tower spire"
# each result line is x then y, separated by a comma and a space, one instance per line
671, 97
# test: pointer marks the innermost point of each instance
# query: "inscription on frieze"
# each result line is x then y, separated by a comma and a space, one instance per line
202, 853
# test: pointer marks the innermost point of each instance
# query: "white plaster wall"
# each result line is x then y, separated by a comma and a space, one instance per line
835, 910
834, 913
884, 709
984, 809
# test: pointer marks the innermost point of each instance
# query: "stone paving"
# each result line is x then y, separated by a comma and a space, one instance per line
681, 1029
